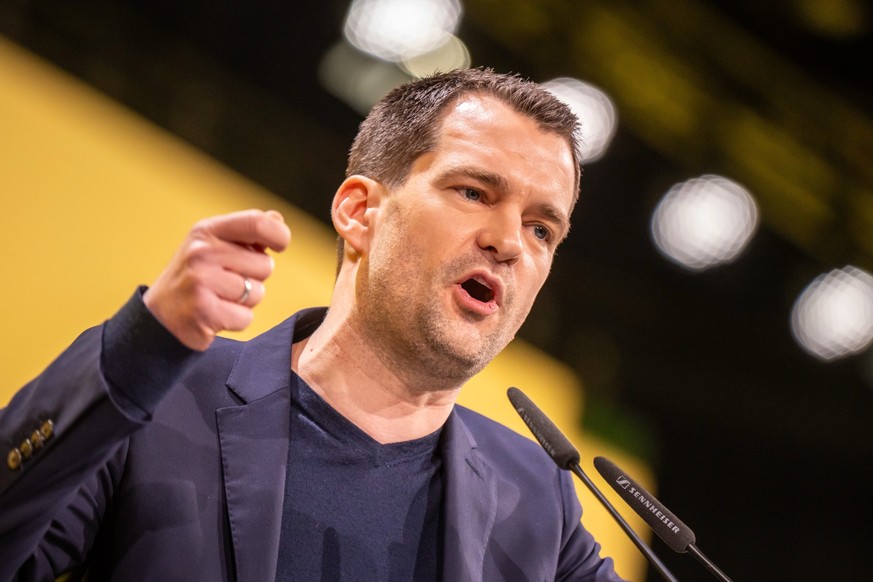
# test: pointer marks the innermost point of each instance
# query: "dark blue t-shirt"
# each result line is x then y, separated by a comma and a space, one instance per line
355, 509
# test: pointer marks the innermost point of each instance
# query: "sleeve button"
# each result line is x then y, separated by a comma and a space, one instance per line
13, 460
47, 429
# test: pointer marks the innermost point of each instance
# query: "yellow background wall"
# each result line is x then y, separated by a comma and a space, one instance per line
94, 200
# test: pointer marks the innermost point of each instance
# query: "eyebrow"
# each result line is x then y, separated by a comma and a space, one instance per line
493, 180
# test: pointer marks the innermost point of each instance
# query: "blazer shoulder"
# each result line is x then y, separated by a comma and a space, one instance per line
497, 441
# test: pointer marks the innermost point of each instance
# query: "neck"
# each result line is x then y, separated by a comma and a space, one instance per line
390, 405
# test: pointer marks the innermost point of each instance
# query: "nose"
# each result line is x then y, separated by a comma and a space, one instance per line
501, 236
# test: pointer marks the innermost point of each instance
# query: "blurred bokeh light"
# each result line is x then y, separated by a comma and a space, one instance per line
834, 18
356, 78
395, 30
704, 222
833, 317
595, 111
452, 54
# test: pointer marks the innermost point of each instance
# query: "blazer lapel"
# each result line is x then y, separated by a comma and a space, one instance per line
254, 452
254, 446
470, 504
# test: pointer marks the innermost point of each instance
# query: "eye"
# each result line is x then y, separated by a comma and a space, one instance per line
471, 194
542, 233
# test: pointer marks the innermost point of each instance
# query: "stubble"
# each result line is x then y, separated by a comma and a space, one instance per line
401, 311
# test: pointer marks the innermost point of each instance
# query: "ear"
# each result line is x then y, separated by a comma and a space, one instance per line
354, 205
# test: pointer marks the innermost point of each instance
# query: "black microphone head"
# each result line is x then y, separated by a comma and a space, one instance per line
669, 528
549, 436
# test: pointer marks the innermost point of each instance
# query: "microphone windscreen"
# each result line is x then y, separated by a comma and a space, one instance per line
669, 528
549, 436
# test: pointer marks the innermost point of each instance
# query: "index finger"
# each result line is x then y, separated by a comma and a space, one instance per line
250, 227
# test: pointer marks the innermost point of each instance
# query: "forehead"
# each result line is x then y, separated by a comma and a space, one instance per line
482, 129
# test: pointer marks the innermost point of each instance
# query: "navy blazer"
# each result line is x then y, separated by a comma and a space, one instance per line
194, 489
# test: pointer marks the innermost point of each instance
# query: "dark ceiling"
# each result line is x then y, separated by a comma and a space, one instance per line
763, 450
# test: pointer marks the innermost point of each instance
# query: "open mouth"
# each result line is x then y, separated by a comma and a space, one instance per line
478, 290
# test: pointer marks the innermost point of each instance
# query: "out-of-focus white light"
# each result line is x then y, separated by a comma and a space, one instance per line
833, 317
398, 29
356, 78
451, 55
595, 111
704, 222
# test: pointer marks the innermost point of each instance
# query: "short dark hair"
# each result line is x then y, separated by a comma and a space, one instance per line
405, 123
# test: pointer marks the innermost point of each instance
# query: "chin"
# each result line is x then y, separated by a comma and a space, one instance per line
459, 347
470, 353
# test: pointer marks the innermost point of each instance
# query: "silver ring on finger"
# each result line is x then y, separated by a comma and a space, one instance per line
247, 289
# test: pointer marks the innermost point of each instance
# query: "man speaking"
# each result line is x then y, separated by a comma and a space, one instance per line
331, 447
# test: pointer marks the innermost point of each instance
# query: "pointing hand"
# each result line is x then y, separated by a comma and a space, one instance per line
217, 276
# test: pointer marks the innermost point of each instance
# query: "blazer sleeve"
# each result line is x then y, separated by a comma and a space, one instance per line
579, 558
64, 436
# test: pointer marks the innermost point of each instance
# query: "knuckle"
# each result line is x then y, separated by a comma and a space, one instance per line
196, 281
260, 227
196, 251
237, 319
202, 302
200, 230
265, 265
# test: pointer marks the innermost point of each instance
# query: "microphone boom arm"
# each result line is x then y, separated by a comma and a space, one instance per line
565, 455
638, 542
674, 532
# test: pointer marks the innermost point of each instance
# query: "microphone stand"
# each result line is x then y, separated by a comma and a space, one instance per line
695, 551
647, 552
628, 489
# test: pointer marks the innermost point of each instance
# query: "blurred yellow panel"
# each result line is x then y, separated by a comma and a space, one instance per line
95, 201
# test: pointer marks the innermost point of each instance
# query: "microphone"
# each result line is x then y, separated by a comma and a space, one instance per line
663, 522
669, 528
565, 455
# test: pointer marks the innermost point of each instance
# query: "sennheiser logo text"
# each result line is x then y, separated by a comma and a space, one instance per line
648, 504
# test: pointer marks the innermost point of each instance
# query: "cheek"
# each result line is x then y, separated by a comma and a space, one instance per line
540, 267
532, 280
